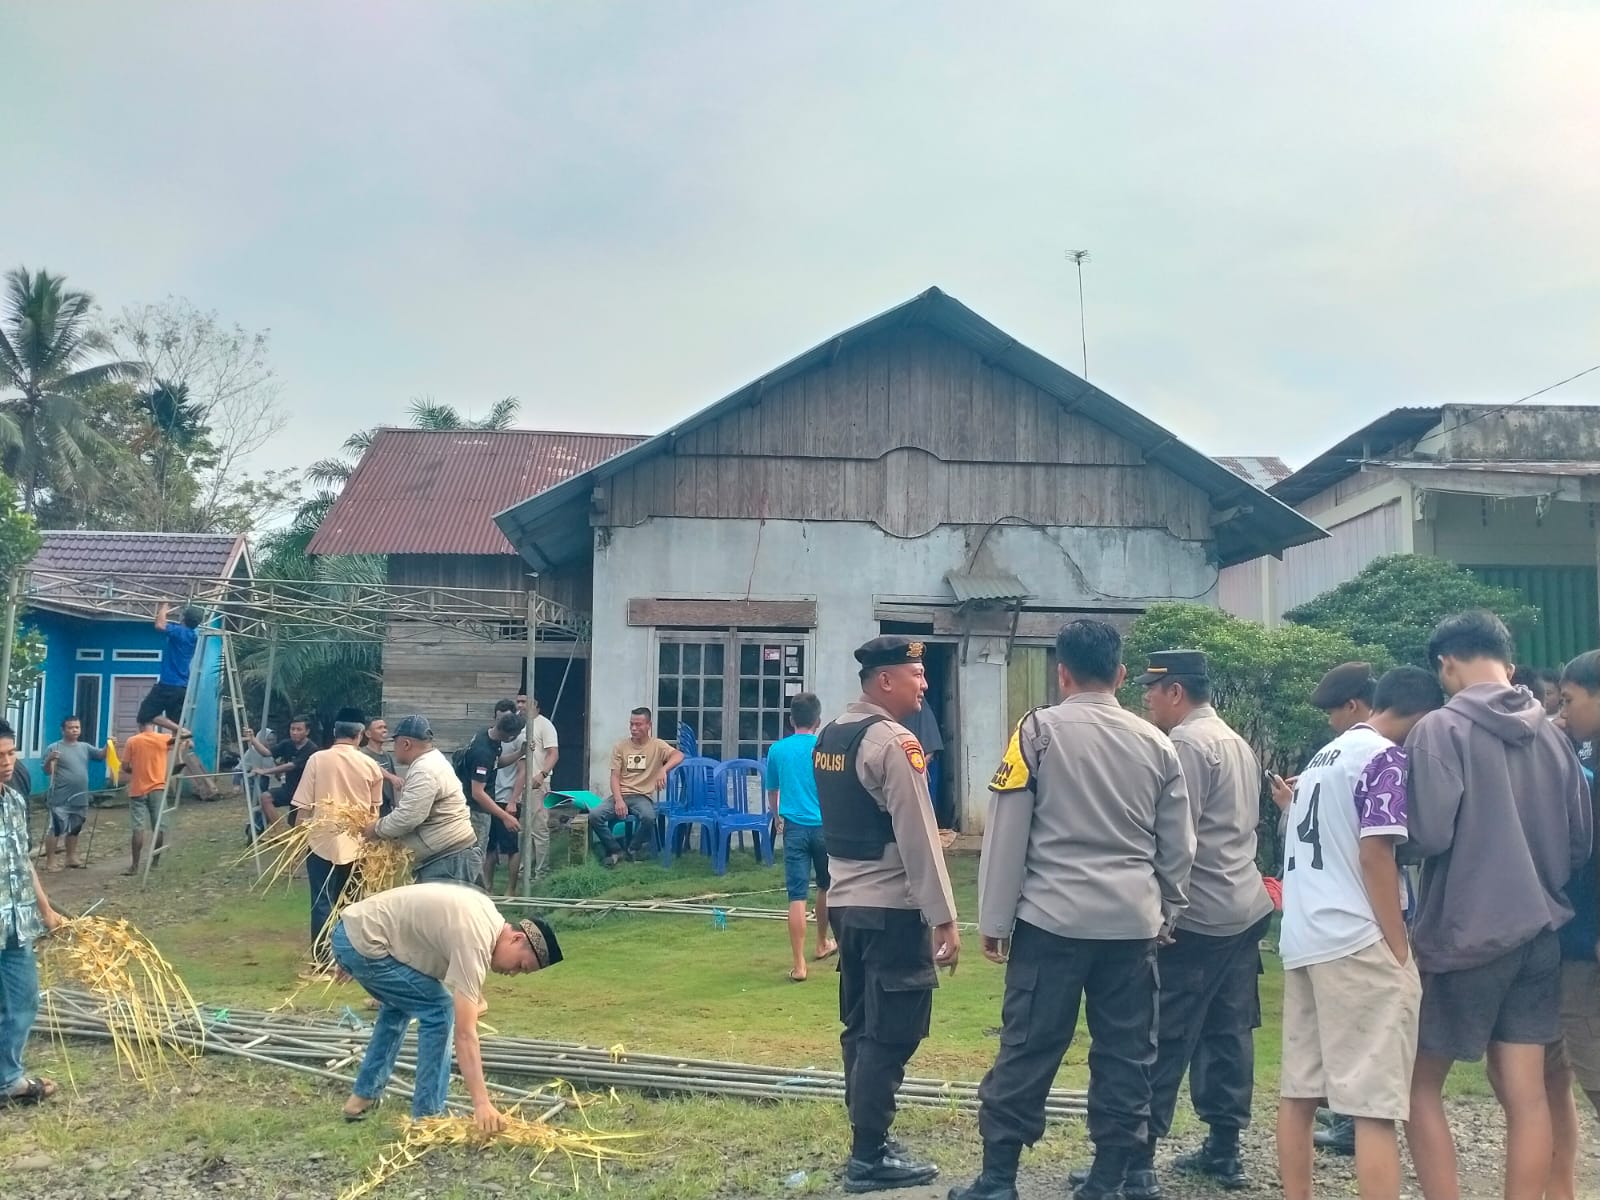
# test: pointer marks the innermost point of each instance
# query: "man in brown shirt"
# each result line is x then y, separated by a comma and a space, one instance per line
889, 887
338, 780
639, 766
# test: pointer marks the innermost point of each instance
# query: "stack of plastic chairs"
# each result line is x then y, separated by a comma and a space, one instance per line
743, 809
690, 801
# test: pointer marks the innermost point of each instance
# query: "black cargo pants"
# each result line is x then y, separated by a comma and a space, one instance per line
1210, 1009
886, 982
1047, 977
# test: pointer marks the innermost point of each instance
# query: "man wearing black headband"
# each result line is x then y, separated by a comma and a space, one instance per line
424, 951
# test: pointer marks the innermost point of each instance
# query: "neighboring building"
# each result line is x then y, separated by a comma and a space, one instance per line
1259, 470
103, 653
1510, 492
920, 473
426, 499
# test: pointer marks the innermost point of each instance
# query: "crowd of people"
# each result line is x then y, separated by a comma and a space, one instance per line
1439, 898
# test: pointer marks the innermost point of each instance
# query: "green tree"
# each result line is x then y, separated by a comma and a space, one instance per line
1395, 602
19, 543
1261, 680
50, 358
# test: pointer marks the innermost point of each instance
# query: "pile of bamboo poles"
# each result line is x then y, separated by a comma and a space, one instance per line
691, 908
332, 1049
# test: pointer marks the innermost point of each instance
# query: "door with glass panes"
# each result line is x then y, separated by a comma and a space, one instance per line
732, 690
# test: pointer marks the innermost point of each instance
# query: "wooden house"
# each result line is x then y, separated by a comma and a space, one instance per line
922, 472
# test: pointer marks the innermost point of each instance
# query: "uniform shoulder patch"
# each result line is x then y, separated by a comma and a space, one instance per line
914, 755
1012, 775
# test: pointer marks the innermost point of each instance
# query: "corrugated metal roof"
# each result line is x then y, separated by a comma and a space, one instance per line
1263, 471
1258, 524
998, 587
1583, 468
1345, 457
199, 555
424, 491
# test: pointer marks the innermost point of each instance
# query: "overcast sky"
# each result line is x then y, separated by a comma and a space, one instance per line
1297, 219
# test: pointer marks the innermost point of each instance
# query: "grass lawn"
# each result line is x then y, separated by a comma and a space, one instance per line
663, 983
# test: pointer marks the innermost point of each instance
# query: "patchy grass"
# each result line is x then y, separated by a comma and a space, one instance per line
661, 983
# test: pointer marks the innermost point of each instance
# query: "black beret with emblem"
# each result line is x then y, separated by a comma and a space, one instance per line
1174, 662
890, 650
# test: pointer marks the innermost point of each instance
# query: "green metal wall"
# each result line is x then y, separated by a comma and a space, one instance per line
1568, 599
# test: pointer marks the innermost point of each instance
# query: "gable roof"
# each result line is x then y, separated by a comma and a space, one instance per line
75, 565
427, 491
1251, 522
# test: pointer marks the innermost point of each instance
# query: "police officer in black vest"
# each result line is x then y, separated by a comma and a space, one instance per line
889, 887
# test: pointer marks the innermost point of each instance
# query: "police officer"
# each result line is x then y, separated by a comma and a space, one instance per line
1210, 1001
1086, 856
888, 887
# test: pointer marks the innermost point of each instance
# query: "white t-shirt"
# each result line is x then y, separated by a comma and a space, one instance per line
543, 737
1337, 801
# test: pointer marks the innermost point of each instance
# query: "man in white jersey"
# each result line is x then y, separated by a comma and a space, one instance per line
1351, 992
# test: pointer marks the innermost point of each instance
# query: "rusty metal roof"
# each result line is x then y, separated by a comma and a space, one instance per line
424, 491
76, 569
1261, 470
1381, 437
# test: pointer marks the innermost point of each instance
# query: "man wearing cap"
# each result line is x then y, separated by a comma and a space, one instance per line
1210, 1003
424, 951
430, 815
1086, 855
338, 783
889, 887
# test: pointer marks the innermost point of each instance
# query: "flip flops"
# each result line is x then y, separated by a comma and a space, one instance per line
32, 1091
793, 978
829, 949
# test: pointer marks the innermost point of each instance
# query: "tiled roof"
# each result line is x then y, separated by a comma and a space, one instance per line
1263, 471
423, 491
87, 570
202, 556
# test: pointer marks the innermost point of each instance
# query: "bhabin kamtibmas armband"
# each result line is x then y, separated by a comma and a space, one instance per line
1013, 774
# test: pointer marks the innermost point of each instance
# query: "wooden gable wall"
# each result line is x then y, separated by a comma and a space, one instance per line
909, 431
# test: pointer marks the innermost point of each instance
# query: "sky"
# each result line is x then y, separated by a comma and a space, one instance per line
1298, 216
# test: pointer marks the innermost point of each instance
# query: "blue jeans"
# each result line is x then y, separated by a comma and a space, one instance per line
804, 854
402, 992
19, 1005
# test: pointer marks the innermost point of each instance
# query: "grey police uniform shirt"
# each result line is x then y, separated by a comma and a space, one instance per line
1223, 777
911, 874
1090, 834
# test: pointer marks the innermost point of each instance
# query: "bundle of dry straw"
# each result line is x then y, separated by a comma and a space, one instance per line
142, 998
538, 1139
381, 864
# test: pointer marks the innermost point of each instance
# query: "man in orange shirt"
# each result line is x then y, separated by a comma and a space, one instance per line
340, 777
144, 767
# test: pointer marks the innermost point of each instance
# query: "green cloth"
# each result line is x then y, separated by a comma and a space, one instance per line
584, 800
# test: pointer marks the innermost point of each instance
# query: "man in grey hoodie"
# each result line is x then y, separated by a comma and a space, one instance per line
1500, 816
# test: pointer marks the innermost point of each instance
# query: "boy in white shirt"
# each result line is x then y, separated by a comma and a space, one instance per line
1352, 994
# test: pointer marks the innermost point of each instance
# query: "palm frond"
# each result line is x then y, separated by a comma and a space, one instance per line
327, 472
428, 413
501, 415
360, 442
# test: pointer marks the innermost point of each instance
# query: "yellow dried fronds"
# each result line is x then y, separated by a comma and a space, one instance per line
382, 866
143, 998
537, 1139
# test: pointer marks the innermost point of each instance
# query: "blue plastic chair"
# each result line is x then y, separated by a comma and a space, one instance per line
690, 801
743, 810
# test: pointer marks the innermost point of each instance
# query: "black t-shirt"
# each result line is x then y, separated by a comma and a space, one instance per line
482, 765
287, 751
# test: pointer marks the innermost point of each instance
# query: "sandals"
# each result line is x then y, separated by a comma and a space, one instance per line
32, 1090
829, 949
793, 978
352, 1118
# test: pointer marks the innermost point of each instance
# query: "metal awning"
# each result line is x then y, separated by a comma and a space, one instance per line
995, 588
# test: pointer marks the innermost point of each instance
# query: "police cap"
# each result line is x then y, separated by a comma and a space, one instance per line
1164, 663
890, 650
1346, 682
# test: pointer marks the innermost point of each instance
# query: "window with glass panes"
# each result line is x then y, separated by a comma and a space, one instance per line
731, 689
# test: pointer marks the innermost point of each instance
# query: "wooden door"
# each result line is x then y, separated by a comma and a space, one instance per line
127, 693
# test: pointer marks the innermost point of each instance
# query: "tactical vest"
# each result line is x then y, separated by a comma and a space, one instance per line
853, 826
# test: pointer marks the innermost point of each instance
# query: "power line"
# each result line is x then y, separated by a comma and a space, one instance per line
1489, 412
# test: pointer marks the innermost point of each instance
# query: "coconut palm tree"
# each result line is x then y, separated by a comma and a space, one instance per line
49, 359
426, 413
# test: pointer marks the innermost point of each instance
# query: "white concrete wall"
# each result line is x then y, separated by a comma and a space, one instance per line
848, 569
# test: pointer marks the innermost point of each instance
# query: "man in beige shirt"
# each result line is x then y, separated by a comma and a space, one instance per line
424, 951
430, 815
339, 783
1210, 1000
1086, 858
888, 888
639, 767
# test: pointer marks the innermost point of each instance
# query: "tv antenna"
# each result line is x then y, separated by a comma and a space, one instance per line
1079, 257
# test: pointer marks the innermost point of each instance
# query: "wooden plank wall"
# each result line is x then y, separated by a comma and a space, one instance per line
571, 585
910, 431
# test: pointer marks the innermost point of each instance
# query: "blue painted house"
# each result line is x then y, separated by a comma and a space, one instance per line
92, 596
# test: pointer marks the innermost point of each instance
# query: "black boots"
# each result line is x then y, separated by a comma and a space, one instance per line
1104, 1178
999, 1178
1218, 1159
1139, 1180
880, 1163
